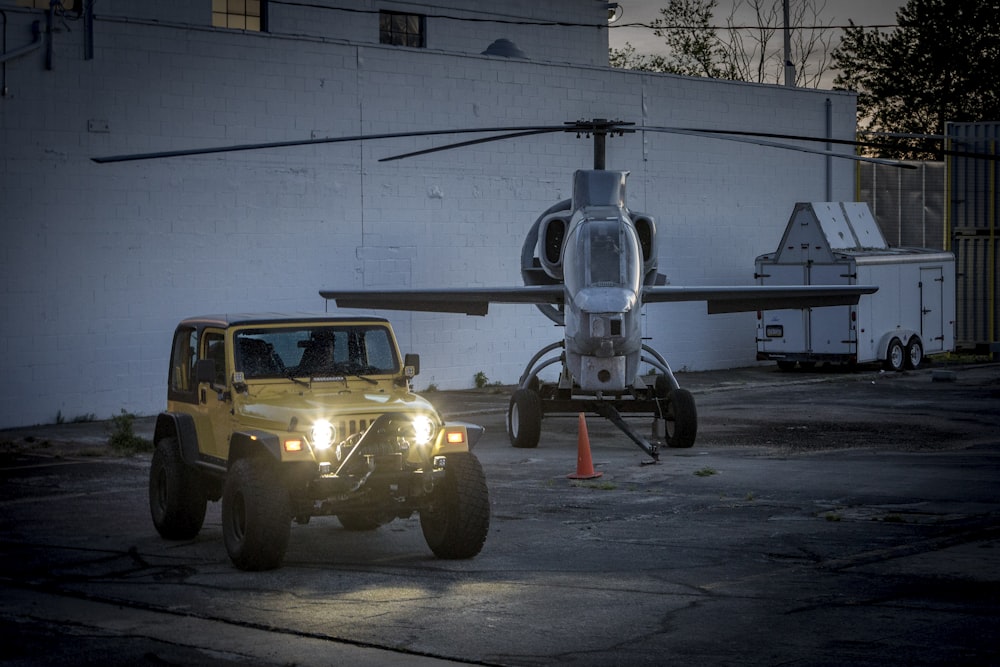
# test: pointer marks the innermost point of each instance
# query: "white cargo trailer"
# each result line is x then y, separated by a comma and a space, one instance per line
839, 243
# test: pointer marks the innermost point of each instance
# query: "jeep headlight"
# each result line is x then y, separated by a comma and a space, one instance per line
322, 434
423, 429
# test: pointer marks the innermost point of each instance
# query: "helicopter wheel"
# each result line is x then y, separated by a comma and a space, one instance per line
681, 418
524, 418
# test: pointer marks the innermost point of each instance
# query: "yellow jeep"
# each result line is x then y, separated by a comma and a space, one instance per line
286, 417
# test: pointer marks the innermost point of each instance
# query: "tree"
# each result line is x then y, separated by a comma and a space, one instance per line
690, 39
942, 63
696, 48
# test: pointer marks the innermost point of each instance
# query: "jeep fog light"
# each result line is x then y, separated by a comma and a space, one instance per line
423, 429
322, 434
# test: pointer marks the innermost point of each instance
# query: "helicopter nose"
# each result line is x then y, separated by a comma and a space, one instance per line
605, 300
606, 325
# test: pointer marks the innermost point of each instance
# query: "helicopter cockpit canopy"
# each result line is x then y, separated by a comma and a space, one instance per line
606, 255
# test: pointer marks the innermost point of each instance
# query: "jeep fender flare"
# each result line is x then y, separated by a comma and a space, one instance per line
181, 427
244, 444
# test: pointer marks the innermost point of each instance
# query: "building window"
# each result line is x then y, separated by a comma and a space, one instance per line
238, 14
401, 29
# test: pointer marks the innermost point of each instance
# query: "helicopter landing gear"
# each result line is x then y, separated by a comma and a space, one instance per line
675, 417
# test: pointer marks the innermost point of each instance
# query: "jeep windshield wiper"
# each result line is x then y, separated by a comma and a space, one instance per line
291, 376
364, 377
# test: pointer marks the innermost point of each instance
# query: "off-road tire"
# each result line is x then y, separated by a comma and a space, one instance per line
524, 418
456, 523
256, 514
681, 418
178, 494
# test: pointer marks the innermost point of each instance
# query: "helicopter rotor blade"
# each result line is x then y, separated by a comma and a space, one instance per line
935, 138
755, 139
597, 127
307, 142
470, 142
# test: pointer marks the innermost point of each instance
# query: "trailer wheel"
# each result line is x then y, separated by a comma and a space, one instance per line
914, 353
681, 418
524, 418
895, 356
786, 366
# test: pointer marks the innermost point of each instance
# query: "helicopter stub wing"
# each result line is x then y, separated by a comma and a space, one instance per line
468, 300
723, 299
744, 298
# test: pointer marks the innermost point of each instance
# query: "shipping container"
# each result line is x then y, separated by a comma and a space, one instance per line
835, 243
973, 208
974, 198
978, 285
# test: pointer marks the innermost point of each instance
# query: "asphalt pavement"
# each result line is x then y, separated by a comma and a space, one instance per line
824, 518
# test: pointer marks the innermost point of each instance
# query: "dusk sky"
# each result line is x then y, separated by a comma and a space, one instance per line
836, 12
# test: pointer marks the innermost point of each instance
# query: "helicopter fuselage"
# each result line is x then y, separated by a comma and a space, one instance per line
602, 272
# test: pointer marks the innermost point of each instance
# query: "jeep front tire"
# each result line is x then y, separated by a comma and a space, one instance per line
456, 523
256, 514
177, 494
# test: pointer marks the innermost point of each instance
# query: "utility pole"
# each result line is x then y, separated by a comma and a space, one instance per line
789, 67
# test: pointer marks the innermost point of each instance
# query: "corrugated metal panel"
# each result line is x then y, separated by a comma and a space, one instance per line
977, 287
974, 192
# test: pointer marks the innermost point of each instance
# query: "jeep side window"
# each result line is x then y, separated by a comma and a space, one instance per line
215, 349
182, 358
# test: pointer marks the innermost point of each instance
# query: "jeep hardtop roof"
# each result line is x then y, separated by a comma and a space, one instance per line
226, 320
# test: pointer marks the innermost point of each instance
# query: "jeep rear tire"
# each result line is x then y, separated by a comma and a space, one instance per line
177, 494
456, 523
256, 514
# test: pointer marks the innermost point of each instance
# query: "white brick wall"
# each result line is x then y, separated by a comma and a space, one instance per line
100, 261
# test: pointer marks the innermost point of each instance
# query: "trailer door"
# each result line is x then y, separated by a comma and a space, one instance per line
783, 331
830, 327
932, 308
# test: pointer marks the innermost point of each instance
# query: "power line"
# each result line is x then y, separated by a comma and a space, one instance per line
653, 26
571, 24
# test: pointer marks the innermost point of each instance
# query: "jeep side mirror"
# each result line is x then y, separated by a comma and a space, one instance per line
411, 365
204, 371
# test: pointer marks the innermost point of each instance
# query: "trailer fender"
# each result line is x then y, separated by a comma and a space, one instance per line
903, 335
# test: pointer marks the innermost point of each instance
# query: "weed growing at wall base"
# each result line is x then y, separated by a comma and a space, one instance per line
123, 438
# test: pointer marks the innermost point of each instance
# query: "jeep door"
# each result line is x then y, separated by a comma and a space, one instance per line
213, 411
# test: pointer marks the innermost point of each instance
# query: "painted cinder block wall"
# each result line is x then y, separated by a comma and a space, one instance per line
100, 261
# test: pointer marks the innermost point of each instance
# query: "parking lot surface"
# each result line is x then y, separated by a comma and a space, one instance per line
823, 518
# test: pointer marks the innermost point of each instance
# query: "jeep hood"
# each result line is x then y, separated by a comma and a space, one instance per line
276, 410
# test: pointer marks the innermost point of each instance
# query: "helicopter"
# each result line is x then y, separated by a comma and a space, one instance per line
589, 264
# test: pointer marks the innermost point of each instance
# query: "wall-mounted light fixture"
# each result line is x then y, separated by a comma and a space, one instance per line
614, 11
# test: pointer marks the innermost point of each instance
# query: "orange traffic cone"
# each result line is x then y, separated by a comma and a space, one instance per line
584, 465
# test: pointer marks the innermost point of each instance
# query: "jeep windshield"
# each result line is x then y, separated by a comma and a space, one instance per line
315, 351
